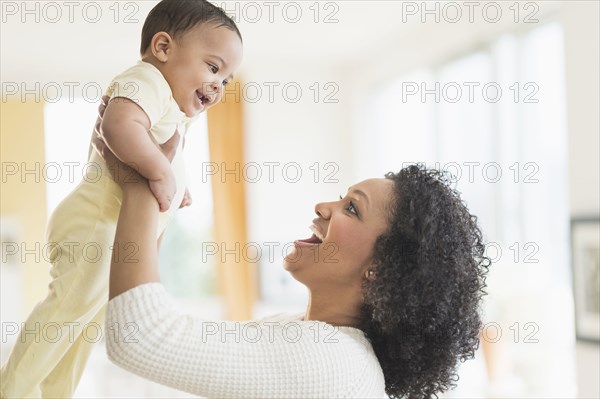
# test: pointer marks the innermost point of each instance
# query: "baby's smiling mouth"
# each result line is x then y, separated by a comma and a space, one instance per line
203, 99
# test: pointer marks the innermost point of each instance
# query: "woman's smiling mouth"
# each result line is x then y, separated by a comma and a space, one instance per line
316, 239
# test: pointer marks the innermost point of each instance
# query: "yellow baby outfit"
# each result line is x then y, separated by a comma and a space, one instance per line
56, 340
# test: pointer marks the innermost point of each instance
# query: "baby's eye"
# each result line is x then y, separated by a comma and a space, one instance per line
214, 68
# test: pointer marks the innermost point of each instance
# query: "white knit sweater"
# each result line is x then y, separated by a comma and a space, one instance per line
279, 356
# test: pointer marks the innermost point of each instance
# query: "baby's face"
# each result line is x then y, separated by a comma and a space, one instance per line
200, 63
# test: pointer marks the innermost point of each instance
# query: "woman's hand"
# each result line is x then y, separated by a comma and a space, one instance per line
124, 175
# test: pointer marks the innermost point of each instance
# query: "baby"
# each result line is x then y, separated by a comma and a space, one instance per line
189, 51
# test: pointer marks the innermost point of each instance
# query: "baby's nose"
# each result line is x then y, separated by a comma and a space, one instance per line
217, 86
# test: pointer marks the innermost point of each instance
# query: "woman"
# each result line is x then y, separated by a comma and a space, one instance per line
395, 272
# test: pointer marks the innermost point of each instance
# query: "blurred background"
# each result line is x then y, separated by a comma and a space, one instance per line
504, 95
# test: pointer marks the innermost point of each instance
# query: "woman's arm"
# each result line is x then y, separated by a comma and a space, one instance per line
150, 336
135, 252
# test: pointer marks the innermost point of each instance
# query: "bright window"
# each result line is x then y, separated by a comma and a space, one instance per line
495, 118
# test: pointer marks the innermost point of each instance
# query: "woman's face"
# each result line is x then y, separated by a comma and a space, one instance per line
348, 229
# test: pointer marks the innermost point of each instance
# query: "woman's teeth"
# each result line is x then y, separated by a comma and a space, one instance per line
315, 239
316, 232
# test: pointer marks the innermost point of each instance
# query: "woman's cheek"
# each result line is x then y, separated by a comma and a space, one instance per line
355, 245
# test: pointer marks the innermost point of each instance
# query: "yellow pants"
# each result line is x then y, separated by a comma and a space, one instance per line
56, 340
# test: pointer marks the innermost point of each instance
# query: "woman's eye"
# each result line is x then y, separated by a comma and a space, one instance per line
351, 208
214, 68
225, 82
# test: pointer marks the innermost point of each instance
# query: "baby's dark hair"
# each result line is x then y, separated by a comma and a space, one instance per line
421, 311
176, 17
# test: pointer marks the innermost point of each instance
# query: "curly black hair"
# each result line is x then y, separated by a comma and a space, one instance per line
421, 311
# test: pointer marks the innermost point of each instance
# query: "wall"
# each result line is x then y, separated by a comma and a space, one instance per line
303, 134
23, 195
582, 44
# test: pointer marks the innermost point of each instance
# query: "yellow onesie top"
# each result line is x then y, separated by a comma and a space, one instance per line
145, 85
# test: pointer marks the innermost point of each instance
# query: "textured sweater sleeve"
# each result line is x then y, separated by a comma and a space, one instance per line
270, 358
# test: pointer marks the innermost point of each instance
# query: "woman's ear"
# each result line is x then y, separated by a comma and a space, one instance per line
161, 46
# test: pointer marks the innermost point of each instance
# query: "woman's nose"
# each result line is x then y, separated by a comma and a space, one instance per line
323, 210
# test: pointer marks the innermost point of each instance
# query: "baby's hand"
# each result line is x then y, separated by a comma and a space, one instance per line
164, 190
187, 199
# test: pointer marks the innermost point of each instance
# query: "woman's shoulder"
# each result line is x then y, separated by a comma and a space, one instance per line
340, 352
281, 317
297, 319
343, 342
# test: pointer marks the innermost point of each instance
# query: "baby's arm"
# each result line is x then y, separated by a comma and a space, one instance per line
125, 129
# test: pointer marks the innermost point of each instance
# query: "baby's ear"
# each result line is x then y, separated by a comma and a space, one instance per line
161, 45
